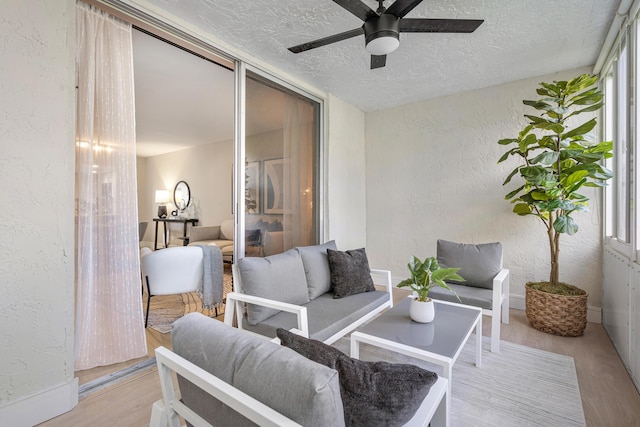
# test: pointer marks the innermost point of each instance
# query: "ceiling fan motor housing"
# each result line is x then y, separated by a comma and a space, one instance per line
383, 26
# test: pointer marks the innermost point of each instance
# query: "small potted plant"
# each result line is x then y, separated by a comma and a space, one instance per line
557, 159
424, 276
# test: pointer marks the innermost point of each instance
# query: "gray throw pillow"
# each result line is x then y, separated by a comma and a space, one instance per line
278, 277
478, 264
350, 273
373, 393
316, 268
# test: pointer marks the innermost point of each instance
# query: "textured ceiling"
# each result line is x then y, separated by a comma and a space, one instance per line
519, 39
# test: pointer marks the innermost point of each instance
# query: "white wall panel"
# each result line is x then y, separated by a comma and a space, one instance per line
615, 301
634, 364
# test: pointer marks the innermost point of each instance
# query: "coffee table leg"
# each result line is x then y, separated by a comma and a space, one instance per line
355, 346
447, 368
479, 341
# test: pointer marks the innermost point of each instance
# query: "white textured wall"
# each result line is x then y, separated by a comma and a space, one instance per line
346, 197
432, 173
37, 128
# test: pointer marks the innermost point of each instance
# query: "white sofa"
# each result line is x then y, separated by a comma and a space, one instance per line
229, 377
293, 290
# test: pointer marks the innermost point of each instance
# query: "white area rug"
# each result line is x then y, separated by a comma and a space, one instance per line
520, 386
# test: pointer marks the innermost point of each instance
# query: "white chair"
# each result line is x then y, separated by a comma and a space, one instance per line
486, 281
172, 271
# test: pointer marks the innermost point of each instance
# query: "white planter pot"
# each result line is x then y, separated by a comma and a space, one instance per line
422, 312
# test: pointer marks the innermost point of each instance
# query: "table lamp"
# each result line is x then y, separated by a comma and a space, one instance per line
162, 196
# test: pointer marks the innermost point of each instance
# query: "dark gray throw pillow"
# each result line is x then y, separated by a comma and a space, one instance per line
350, 273
373, 393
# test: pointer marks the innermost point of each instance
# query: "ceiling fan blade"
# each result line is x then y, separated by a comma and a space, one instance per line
378, 61
400, 8
418, 25
327, 40
358, 8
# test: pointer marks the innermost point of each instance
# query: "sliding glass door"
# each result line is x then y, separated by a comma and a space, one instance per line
281, 160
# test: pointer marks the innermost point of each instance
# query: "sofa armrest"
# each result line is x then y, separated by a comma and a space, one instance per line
501, 293
386, 274
165, 412
234, 307
209, 232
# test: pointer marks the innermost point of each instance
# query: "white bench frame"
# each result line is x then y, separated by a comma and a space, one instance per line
234, 309
166, 412
500, 307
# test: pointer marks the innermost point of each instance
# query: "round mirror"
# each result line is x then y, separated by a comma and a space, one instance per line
182, 195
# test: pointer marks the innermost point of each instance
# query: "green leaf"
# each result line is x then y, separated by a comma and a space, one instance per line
565, 224
513, 172
588, 99
526, 142
539, 195
522, 209
546, 158
553, 89
513, 193
575, 177
603, 147
580, 130
538, 105
594, 107
534, 174
525, 131
507, 141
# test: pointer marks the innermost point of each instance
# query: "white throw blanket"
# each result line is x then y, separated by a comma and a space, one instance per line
212, 277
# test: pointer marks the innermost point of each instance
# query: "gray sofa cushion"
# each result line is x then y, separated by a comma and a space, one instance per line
327, 315
478, 264
350, 273
469, 295
316, 268
279, 277
298, 388
373, 393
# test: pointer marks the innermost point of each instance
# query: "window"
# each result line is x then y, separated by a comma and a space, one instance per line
619, 124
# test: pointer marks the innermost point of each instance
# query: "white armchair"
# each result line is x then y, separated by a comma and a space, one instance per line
486, 282
171, 271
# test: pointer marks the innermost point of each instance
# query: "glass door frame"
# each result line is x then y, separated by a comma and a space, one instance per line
240, 70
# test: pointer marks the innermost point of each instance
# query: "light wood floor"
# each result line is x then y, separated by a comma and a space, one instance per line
609, 397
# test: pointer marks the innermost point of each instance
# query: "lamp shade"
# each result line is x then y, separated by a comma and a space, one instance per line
162, 196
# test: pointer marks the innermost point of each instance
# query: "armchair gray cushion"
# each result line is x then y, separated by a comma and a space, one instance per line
478, 264
373, 393
278, 277
298, 388
316, 268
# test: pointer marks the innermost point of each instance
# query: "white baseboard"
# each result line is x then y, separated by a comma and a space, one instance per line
42, 406
594, 314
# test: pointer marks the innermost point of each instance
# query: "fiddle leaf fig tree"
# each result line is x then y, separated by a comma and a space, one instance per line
558, 159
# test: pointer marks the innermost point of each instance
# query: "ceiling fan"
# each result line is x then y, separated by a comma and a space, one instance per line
382, 28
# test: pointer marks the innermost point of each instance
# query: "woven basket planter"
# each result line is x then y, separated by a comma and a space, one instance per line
556, 314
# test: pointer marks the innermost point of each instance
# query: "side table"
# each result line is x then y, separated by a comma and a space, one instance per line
184, 221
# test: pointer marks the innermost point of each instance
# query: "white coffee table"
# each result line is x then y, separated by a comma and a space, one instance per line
439, 342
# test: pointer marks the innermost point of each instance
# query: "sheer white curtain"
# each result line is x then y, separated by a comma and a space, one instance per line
109, 321
298, 186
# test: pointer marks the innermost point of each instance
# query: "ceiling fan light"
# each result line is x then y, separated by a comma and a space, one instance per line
383, 44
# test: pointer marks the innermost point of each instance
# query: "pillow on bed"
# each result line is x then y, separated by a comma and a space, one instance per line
350, 273
373, 393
